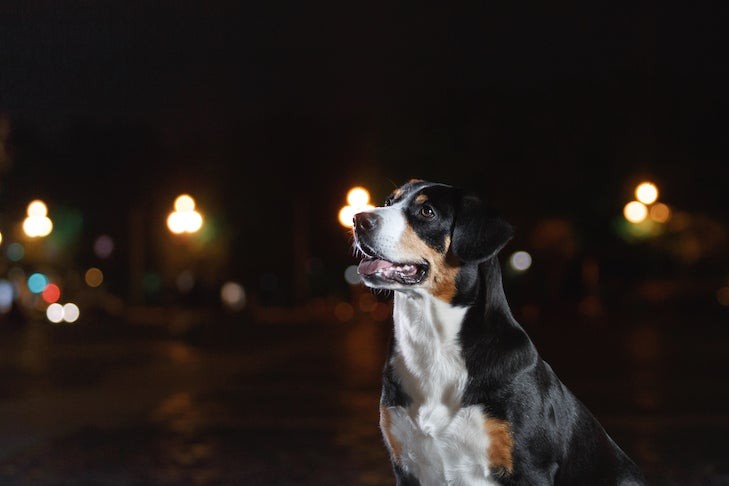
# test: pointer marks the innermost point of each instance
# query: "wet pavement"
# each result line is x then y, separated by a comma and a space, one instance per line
244, 403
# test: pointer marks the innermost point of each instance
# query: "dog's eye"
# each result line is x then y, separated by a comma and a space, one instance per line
427, 212
388, 201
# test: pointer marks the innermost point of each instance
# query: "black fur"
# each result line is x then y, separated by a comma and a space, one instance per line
556, 439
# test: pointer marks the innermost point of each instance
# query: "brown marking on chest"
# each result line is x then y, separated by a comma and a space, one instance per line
501, 444
386, 426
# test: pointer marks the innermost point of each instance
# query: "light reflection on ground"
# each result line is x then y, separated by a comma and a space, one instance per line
297, 404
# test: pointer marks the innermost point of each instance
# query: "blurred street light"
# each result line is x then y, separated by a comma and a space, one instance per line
184, 219
520, 261
660, 213
57, 313
358, 200
646, 192
635, 211
37, 223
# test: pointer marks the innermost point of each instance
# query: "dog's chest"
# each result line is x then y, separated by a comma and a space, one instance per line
439, 440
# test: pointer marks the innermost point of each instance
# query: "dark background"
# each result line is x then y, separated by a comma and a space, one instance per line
268, 113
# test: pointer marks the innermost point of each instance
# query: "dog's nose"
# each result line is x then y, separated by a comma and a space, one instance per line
365, 221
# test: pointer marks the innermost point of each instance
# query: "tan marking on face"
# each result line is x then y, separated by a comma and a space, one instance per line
386, 426
501, 444
421, 199
398, 193
444, 267
414, 181
445, 271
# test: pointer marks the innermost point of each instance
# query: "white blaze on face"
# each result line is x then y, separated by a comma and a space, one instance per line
389, 233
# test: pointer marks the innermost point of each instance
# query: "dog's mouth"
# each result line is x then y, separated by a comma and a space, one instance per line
376, 268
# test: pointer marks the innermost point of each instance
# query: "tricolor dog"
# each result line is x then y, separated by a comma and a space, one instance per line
466, 398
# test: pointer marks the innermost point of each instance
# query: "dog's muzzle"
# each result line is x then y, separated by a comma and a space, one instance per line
375, 269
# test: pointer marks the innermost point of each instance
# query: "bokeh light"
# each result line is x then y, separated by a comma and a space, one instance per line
358, 197
352, 276
660, 213
233, 296
184, 219
345, 216
15, 252
646, 192
1, 237
37, 208
635, 211
520, 261
103, 246
344, 311
94, 277
185, 281
6, 296
367, 302
194, 221
51, 293
71, 312
184, 203
54, 313
722, 296
36, 227
37, 283
37, 224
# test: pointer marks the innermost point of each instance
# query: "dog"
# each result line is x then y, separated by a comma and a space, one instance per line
466, 398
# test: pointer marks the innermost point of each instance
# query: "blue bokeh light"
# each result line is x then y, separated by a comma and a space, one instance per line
37, 283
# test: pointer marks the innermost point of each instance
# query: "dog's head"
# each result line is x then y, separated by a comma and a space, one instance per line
424, 236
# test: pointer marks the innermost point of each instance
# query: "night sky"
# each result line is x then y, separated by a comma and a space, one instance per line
552, 109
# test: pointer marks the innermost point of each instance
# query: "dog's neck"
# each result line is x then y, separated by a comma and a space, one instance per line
427, 355
419, 310
428, 351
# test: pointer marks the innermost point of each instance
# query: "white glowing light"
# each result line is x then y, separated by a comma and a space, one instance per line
37, 226
37, 208
184, 203
54, 313
345, 216
520, 261
1, 237
358, 200
184, 219
176, 222
233, 295
646, 192
193, 221
358, 197
635, 211
70, 312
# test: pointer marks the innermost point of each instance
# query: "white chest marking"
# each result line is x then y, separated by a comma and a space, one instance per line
441, 442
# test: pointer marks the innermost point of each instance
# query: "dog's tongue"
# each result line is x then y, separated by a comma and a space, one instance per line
370, 266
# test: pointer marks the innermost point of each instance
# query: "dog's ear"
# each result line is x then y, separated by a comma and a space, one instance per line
478, 233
